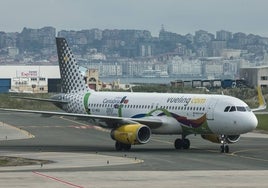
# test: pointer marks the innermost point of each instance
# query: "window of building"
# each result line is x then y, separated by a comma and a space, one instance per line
264, 77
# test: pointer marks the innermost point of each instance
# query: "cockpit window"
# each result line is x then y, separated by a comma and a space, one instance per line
237, 108
241, 109
232, 109
227, 109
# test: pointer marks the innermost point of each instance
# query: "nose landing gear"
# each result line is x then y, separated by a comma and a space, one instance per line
224, 147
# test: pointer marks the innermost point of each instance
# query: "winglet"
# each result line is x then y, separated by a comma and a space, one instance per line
262, 103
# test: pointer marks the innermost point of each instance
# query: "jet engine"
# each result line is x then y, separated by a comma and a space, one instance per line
230, 139
132, 134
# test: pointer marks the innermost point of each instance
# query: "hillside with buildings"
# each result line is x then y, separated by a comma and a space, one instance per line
136, 53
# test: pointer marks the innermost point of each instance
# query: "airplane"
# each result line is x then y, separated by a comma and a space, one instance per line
134, 117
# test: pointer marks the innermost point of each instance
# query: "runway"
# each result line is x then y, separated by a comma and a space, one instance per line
248, 157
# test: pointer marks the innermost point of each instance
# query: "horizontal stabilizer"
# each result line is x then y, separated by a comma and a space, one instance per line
41, 99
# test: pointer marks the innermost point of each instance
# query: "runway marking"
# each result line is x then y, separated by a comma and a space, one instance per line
85, 126
57, 179
66, 119
82, 127
28, 134
161, 141
236, 154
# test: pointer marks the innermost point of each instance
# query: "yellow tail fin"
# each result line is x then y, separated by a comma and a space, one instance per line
262, 103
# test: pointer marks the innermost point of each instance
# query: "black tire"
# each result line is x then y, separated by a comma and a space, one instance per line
186, 144
126, 147
222, 149
118, 146
226, 149
178, 144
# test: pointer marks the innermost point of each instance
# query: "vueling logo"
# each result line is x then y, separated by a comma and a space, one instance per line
182, 100
186, 100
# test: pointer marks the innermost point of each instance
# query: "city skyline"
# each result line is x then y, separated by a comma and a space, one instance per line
179, 16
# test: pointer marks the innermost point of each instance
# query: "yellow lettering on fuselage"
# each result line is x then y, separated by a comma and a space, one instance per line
198, 101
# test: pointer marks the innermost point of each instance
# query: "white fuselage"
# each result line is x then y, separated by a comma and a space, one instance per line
198, 113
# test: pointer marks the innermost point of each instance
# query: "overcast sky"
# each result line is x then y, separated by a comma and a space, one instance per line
179, 16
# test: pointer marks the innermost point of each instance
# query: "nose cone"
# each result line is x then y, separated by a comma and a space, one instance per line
252, 122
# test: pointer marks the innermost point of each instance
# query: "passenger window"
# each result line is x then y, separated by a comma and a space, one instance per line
227, 109
232, 109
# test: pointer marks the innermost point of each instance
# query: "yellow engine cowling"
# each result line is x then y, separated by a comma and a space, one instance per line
230, 139
132, 134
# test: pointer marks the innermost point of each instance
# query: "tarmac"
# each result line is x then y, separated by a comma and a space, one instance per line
59, 160
9, 132
74, 166
134, 179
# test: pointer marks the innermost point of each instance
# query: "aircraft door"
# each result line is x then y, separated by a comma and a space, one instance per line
210, 108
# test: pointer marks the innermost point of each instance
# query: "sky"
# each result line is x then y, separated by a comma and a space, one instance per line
178, 16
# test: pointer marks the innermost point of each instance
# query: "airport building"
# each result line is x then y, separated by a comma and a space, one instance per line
29, 79
255, 76
42, 79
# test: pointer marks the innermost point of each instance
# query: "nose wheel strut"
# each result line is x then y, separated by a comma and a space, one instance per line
224, 146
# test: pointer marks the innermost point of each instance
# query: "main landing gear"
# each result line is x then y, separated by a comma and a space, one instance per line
183, 143
120, 146
224, 147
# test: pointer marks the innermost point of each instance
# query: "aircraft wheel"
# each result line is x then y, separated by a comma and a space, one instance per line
222, 149
126, 147
178, 143
225, 149
186, 144
118, 146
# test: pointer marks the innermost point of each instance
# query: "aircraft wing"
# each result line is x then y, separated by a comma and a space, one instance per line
152, 122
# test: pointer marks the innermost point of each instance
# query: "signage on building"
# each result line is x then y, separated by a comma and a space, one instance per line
29, 73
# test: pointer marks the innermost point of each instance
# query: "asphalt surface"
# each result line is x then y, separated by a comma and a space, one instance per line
66, 135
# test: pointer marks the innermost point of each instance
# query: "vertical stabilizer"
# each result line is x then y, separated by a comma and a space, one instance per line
261, 99
71, 78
